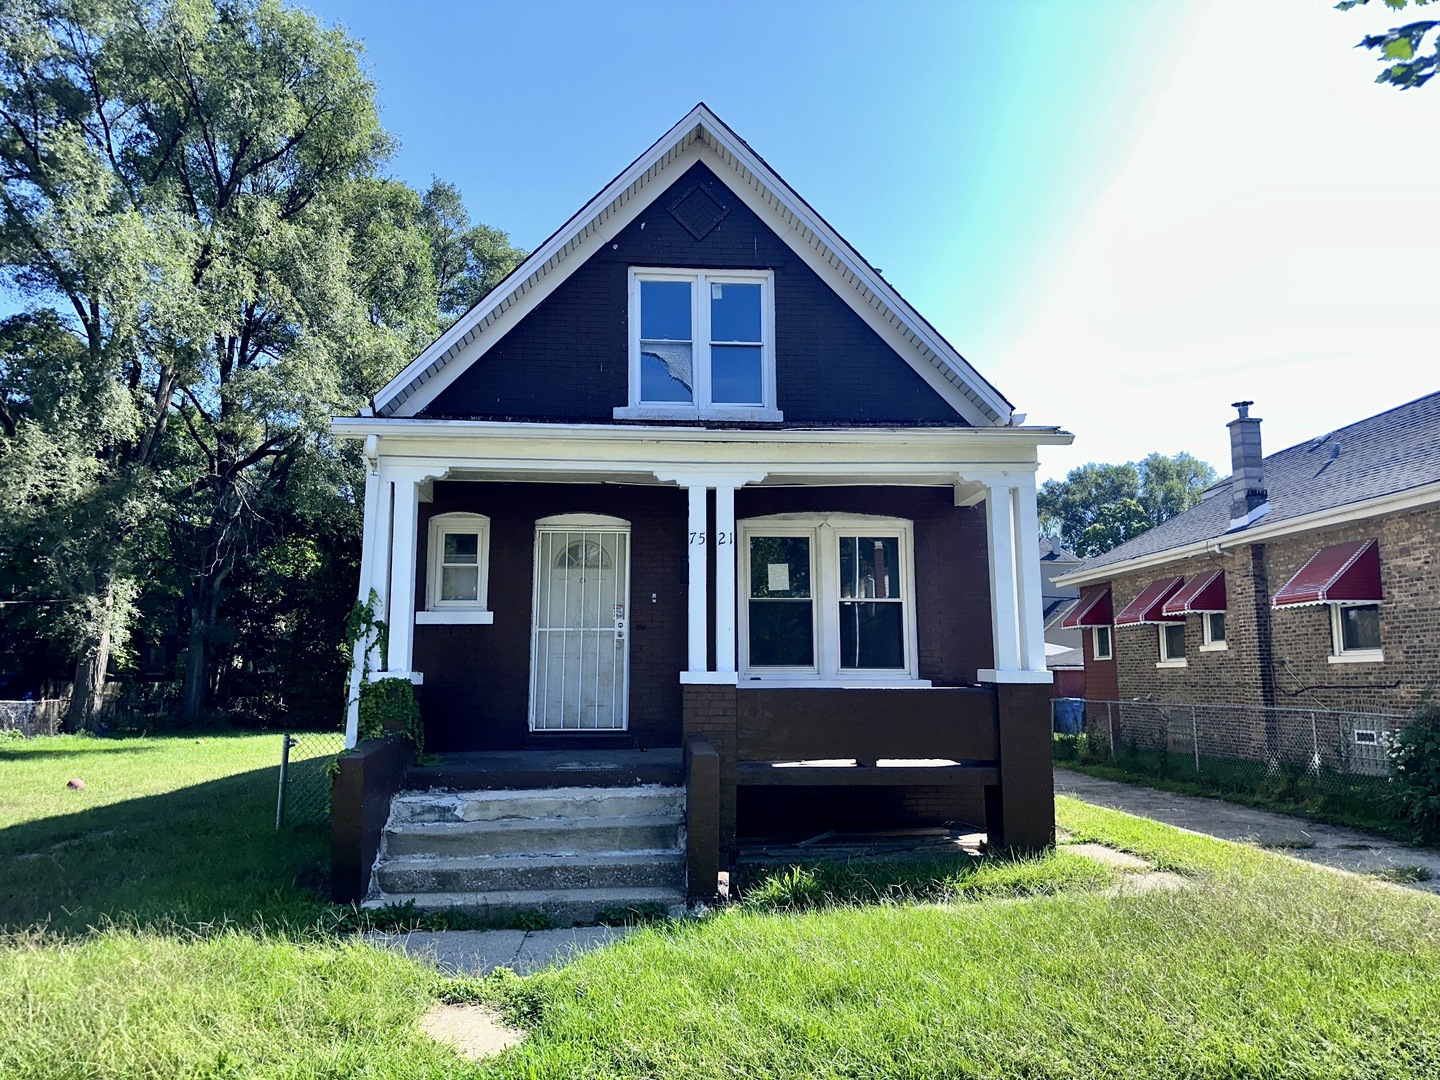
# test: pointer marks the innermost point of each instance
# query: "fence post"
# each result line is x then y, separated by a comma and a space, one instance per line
1195, 739
1314, 745
285, 743
1110, 727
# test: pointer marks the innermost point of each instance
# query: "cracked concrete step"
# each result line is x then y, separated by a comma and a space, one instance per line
507, 873
522, 836
650, 799
563, 907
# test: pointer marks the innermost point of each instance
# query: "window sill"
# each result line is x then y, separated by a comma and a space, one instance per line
1219, 646
454, 617
751, 682
1369, 656
1172, 664
1102, 659
744, 414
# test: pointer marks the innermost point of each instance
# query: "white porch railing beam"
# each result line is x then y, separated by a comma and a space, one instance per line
724, 578
1027, 560
368, 552
699, 529
399, 660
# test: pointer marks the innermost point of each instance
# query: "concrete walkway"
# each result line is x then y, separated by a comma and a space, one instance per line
1327, 845
479, 952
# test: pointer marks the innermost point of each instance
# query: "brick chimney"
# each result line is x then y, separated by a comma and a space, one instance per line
1248, 499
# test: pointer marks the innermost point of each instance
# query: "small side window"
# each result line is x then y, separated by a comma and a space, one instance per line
1100, 646
458, 567
1172, 644
1214, 624
1355, 633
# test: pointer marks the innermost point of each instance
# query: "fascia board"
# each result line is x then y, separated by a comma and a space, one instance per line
1321, 519
969, 392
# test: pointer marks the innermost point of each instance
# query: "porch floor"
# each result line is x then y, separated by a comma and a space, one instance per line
499, 770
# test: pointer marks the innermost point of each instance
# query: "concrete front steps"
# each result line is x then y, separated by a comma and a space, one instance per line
568, 852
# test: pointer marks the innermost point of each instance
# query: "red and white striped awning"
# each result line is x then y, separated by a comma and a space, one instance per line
1092, 609
1148, 606
1341, 574
1203, 593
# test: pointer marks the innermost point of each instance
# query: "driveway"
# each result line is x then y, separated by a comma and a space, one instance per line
1328, 845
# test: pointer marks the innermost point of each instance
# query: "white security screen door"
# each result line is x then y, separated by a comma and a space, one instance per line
579, 655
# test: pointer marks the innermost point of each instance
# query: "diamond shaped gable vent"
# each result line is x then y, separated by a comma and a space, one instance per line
698, 211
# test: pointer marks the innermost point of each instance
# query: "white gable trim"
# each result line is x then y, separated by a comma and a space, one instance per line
701, 136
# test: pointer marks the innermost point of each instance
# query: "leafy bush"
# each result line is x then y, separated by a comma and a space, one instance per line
1415, 753
388, 706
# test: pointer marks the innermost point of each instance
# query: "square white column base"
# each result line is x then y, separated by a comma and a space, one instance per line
991, 675
709, 678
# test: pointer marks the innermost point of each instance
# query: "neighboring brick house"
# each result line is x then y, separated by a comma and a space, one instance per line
1309, 578
695, 476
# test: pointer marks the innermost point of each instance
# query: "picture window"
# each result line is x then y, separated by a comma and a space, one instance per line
1172, 644
1355, 632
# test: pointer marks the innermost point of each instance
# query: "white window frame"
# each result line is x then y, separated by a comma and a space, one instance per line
1109, 653
702, 408
824, 532
1341, 655
475, 611
1166, 661
1211, 643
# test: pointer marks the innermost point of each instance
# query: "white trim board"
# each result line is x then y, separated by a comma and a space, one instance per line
700, 136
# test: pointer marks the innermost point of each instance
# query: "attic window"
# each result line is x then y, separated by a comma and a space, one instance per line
698, 211
701, 346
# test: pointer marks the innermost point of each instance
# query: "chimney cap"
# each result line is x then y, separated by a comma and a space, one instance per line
1244, 407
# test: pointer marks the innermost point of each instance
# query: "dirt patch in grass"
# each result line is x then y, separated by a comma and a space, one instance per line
473, 1030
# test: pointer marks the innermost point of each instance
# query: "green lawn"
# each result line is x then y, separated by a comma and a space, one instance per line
1259, 967
168, 830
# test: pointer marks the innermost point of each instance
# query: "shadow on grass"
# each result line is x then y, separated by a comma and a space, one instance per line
192, 858
105, 746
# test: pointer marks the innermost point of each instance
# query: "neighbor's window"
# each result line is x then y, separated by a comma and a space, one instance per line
1100, 643
1355, 629
829, 597
1214, 624
1172, 643
701, 345
459, 556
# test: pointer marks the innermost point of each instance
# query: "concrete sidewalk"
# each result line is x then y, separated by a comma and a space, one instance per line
479, 952
1327, 845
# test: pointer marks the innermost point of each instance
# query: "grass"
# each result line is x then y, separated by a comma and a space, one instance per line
1259, 967
172, 830
1357, 802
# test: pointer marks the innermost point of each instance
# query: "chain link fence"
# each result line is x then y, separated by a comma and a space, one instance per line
32, 718
1335, 761
306, 769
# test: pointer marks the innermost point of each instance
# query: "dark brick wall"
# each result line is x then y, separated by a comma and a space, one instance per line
1101, 683
952, 576
1297, 641
710, 711
477, 678
568, 360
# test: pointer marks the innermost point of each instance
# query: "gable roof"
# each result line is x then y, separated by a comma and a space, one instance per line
1383, 455
700, 135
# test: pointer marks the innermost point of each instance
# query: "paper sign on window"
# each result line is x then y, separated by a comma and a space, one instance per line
779, 577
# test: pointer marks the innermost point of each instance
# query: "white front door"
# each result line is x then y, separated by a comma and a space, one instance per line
579, 653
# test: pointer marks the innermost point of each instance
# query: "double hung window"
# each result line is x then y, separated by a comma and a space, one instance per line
1172, 645
458, 570
827, 598
701, 345
1100, 644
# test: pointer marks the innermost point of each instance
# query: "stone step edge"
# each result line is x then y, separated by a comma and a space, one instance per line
501, 794
530, 899
523, 824
619, 857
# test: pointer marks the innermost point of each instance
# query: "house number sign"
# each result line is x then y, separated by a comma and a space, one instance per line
697, 539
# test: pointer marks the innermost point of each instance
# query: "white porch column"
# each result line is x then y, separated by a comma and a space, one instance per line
699, 540
401, 618
725, 558
369, 556
1027, 559
1014, 543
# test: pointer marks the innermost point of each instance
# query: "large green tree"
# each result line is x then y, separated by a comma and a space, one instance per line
1097, 507
194, 185
1410, 62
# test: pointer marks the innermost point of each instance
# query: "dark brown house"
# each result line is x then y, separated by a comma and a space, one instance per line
695, 477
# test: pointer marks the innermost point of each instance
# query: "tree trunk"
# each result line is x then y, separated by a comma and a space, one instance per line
195, 694
88, 695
